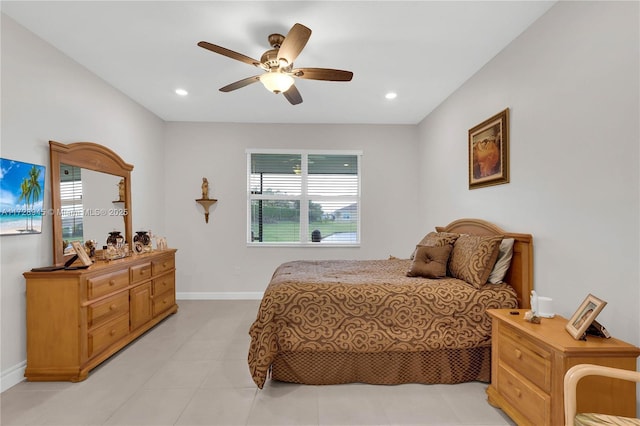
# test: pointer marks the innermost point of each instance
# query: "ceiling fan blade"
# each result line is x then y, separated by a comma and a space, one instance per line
293, 96
322, 74
240, 83
293, 43
229, 53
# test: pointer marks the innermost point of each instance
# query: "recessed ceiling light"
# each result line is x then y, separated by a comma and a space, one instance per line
181, 92
391, 95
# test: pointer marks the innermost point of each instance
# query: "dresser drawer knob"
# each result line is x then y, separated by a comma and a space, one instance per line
113, 307
164, 264
113, 332
518, 392
112, 282
518, 354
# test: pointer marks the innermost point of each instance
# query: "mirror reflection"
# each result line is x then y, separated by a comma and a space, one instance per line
93, 208
91, 205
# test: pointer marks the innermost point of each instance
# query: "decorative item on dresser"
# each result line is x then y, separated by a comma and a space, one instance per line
584, 316
529, 362
77, 319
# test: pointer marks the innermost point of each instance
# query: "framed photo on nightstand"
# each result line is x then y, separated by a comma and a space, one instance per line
584, 316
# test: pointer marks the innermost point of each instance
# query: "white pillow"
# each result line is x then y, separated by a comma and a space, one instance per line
503, 262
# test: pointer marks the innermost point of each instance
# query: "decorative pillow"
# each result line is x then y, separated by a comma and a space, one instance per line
430, 262
473, 257
505, 253
437, 239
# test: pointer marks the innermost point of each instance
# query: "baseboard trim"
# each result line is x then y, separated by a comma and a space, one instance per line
237, 295
12, 376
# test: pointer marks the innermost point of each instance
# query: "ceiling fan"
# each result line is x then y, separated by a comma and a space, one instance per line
278, 64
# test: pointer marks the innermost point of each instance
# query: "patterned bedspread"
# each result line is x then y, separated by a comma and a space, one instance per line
368, 306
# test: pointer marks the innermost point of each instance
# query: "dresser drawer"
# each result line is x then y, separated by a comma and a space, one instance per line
108, 283
526, 398
163, 302
140, 272
524, 356
164, 284
102, 337
163, 265
107, 309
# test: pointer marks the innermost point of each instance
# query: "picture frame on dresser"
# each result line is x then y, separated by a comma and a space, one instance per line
582, 318
81, 253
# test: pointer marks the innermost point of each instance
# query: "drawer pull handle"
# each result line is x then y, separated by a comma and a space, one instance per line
112, 282
164, 264
113, 307
518, 354
518, 392
113, 332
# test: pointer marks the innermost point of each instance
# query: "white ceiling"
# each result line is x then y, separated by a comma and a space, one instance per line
423, 50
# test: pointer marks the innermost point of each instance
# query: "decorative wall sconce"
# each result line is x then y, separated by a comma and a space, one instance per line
205, 201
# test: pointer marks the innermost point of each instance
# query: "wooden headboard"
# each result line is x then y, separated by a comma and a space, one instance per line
520, 273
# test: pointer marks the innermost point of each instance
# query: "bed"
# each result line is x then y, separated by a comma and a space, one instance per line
368, 321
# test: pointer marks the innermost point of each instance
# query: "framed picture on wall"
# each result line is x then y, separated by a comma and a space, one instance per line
489, 151
584, 316
21, 197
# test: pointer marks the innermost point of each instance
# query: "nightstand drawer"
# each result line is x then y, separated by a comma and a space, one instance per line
532, 361
533, 404
104, 310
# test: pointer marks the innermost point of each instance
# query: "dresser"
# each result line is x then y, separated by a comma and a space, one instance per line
528, 363
76, 319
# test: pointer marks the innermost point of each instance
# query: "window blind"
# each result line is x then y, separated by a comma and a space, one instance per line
304, 198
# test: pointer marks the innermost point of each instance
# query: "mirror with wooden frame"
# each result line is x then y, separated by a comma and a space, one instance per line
91, 189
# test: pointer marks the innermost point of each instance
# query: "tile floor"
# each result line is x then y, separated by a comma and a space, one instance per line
191, 370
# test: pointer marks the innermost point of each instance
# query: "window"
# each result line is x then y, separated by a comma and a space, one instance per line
303, 198
71, 203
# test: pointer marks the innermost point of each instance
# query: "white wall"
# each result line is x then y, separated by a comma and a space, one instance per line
47, 96
571, 83
214, 258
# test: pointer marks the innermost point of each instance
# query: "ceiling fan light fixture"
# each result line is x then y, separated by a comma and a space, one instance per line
276, 82
277, 64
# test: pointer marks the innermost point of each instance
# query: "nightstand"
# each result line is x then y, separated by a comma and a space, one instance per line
528, 363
